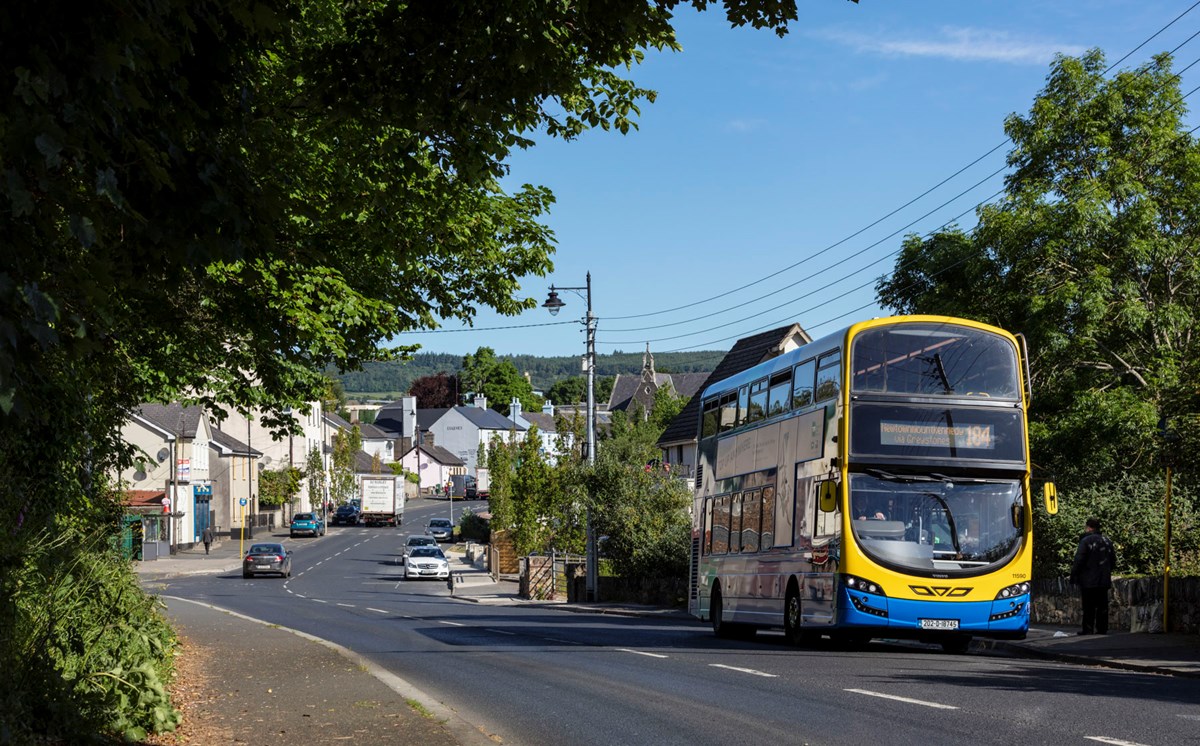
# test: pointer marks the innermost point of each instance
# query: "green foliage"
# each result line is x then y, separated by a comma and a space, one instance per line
1132, 512
84, 650
1091, 254
387, 379
278, 488
473, 528
318, 479
498, 380
342, 485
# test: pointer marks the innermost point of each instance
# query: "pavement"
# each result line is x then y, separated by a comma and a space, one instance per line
367, 696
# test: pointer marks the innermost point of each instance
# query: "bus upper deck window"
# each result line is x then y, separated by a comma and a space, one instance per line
829, 377
802, 384
779, 396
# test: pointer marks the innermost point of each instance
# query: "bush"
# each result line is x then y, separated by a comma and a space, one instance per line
85, 650
1132, 512
473, 528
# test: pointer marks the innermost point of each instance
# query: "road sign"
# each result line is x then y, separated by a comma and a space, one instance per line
242, 501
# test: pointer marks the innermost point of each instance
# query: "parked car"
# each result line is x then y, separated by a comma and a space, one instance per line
307, 524
417, 540
440, 528
426, 562
347, 515
267, 559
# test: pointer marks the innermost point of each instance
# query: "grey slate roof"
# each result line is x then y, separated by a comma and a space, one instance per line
389, 418
175, 418
439, 454
626, 385
544, 422
745, 353
227, 442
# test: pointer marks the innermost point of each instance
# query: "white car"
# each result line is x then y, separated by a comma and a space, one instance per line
426, 562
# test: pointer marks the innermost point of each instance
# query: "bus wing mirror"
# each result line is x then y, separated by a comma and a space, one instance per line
1018, 516
828, 496
1050, 493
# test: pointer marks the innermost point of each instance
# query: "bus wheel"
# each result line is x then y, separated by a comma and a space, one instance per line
791, 618
715, 607
957, 645
726, 630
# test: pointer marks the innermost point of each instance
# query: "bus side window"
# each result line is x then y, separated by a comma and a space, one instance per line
779, 398
802, 384
735, 524
706, 541
743, 405
758, 401
720, 543
829, 376
709, 420
728, 411
768, 517
751, 520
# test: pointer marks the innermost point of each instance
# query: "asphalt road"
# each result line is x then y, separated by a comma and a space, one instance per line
532, 675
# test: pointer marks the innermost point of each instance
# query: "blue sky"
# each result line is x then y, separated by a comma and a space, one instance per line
766, 183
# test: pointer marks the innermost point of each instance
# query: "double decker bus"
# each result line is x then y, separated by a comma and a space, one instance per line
872, 483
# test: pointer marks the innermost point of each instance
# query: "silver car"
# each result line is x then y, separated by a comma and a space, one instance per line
440, 528
417, 540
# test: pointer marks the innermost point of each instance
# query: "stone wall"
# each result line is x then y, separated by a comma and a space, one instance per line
1136, 604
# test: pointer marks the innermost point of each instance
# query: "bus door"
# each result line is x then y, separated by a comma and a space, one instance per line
818, 594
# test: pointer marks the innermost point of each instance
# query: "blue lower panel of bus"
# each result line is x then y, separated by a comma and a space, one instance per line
1006, 618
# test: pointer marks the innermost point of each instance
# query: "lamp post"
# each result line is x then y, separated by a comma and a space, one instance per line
553, 304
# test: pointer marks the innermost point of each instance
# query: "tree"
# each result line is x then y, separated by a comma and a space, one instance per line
498, 380
436, 392
346, 445
1092, 254
568, 390
214, 202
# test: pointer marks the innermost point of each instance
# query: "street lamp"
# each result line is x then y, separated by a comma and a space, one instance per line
553, 304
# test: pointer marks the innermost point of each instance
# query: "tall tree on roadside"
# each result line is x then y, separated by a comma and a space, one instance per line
1092, 253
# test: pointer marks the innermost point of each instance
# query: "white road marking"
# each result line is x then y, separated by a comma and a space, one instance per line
377, 611
452, 624
301, 595
1188, 717
909, 700
639, 652
500, 631
745, 670
320, 600
348, 606
1113, 741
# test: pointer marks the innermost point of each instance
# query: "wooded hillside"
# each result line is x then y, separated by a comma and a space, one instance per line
394, 377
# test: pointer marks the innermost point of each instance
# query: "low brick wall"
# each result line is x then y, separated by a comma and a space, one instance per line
1136, 604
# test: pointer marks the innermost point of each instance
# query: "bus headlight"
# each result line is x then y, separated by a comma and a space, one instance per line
1020, 589
855, 583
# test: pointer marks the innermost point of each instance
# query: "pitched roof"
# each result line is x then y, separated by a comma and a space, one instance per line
438, 454
389, 419
144, 498
226, 442
175, 418
544, 422
367, 430
626, 385
745, 353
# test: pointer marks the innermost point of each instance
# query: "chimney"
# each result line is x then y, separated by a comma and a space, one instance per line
514, 409
548, 408
481, 401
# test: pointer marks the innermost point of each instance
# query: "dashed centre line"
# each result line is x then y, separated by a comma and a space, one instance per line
1113, 741
642, 652
909, 700
750, 671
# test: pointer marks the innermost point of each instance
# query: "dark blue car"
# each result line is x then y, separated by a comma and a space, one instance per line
346, 515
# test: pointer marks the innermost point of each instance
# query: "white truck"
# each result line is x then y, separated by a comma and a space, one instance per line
382, 502
479, 488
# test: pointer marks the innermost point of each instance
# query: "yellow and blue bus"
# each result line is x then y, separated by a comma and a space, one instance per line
872, 483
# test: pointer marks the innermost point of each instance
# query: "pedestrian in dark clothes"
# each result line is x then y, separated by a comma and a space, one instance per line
1092, 572
206, 536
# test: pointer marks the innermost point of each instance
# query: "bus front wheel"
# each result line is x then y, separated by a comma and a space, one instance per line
791, 617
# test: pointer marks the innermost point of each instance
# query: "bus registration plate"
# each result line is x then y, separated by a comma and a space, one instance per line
939, 623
